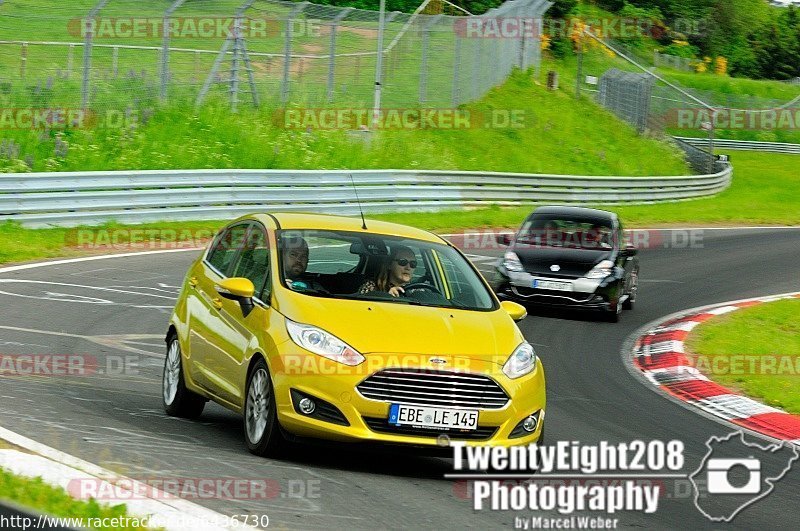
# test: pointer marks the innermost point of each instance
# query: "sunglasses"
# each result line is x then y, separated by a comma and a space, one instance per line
404, 262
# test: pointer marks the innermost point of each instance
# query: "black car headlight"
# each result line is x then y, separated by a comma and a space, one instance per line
601, 270
511, 262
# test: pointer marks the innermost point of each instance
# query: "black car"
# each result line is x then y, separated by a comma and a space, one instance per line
570, 256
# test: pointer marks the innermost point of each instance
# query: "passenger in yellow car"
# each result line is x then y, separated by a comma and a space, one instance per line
394, 273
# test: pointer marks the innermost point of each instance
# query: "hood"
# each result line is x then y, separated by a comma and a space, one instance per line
386, 327
572, 263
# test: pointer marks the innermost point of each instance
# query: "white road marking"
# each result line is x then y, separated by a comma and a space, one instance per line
99, 288
69, 297
37, 265
114, 341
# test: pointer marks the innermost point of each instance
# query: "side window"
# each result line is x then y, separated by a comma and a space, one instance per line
253, 261
226, 247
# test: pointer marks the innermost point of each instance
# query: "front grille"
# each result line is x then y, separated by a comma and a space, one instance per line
382, 426
434, 388
533, 292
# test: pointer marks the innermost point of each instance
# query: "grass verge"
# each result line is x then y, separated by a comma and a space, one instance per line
550, 133
36, 494
755, 350
764, 192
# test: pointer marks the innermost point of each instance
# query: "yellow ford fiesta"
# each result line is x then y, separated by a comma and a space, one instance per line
330, 327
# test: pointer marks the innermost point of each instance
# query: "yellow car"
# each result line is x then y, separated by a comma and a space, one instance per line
334, 328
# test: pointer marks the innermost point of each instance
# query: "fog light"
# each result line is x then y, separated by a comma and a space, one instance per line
529, 424
306, 406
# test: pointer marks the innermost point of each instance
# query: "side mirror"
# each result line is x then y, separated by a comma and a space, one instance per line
516, 311
503, 239
238, 289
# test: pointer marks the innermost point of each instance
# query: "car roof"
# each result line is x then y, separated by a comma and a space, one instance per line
574, 211
298, 221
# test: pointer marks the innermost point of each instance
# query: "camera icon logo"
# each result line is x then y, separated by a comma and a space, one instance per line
735, 474
718, 481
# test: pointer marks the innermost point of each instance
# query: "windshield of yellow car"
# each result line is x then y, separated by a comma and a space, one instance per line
358, 266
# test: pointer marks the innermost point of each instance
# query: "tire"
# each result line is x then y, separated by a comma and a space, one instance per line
628, 304
612, 316
262, 432
177, 399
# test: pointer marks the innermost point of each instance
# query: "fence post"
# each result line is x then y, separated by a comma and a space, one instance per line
165, 49
376, 106
115, 61
70, 54
456, 73
423, 71
476, 65
537, 45
287, 50
23, 60
234, 89
87, 50
332, 51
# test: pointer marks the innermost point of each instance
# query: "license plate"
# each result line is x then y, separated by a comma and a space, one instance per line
553, 285
433, 417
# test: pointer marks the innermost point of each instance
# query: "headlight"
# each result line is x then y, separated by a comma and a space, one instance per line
521, 362
321, 342
601, 270
511, 261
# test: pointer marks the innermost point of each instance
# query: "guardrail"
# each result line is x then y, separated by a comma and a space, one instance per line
749, 145
69, 199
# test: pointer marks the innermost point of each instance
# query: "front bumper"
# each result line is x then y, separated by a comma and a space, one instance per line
587, 294
367, 419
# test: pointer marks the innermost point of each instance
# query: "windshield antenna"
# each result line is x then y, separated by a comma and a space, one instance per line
358, 201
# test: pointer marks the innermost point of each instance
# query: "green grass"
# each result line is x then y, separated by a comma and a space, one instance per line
762, 334
764, 191
719, 91
41, 497
558, 135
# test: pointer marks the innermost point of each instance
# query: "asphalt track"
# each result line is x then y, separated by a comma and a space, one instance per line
120, 306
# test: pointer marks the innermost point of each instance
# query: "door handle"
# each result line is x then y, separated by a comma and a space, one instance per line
217, 302
193, 282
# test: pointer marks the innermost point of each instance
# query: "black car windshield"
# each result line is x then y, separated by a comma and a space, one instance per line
350, 265
568, 232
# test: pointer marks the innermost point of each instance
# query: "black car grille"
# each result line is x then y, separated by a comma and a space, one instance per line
434, 388
481, 433
574, 295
